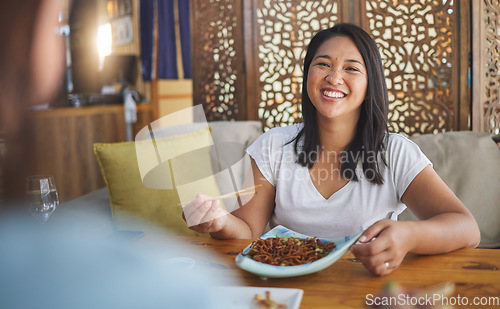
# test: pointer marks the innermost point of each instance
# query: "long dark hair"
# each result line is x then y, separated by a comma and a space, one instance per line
368, 145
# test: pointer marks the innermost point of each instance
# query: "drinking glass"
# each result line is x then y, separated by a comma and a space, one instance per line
42, 198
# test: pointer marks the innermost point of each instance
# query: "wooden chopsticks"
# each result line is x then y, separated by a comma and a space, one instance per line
242, 192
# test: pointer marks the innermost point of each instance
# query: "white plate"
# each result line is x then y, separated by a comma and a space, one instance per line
242, 296
271, 271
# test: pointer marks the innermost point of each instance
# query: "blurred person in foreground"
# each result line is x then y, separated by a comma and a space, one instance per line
32, 64
53, 266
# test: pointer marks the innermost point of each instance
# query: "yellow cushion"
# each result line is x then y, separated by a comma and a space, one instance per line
134, 205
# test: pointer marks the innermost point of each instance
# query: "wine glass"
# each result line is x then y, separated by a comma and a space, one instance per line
42, 197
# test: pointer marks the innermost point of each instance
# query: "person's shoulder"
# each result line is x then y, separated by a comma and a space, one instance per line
400, 142
275, 139
289, 129
286, 133
397, 138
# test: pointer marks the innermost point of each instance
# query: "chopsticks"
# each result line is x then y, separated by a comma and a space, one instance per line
242, 192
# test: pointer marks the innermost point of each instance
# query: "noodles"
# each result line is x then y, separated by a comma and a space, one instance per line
289, 251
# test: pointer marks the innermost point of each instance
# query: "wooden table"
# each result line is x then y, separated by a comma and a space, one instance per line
347, 284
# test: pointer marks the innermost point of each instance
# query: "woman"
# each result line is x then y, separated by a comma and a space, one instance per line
341, 172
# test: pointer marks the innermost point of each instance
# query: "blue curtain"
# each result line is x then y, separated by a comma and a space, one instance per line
146, 31
167, 53
184, 18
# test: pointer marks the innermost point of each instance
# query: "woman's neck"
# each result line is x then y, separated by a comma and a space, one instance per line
336, 135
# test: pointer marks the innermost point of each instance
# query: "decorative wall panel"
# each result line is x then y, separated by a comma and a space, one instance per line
491, 104
283, 30
218, 60
418, 41
248, 57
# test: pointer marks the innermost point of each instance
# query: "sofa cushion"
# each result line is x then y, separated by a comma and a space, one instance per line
132, 202
231, 139
134, 190
469, 163
230, 162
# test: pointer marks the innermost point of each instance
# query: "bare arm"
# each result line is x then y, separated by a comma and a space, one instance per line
446, 225
246, 222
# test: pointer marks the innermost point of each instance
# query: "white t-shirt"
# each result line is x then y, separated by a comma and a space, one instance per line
354, 207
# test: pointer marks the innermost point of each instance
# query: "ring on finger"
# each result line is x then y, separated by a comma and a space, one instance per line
386, 265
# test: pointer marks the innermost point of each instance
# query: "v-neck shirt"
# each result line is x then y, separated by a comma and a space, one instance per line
351, 209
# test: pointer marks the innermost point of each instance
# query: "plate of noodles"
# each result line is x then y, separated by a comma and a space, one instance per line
282, 253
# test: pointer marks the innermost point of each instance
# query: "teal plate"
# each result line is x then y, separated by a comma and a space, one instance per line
272, 271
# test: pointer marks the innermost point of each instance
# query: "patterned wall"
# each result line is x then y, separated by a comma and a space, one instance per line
491, 104
284, 31
260, 76
418, 44
218, 65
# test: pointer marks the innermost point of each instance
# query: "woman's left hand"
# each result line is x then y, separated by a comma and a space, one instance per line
383, 246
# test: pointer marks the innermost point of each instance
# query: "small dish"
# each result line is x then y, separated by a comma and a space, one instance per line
236, 297
272, 271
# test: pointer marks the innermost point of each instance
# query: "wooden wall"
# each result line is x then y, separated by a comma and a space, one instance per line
64, 144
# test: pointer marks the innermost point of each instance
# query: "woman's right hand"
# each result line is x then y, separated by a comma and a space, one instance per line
205, 215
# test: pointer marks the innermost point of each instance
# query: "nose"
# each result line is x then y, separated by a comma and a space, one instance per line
334, 77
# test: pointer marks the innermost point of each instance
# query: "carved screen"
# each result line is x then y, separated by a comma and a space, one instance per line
284, 29
418, 44
218, 60
492, 73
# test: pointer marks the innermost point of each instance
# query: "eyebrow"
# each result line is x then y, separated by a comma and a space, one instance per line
329, 58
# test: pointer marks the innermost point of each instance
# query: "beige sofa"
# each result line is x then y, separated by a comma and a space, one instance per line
468, 162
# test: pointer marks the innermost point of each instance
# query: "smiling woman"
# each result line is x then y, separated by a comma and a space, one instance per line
341, 172
337, 80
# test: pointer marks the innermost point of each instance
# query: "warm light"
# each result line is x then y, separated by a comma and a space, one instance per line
104, 42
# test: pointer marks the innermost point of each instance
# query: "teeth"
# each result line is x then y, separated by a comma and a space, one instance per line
333, 94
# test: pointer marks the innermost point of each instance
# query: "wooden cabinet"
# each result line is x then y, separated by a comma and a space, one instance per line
65, 138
